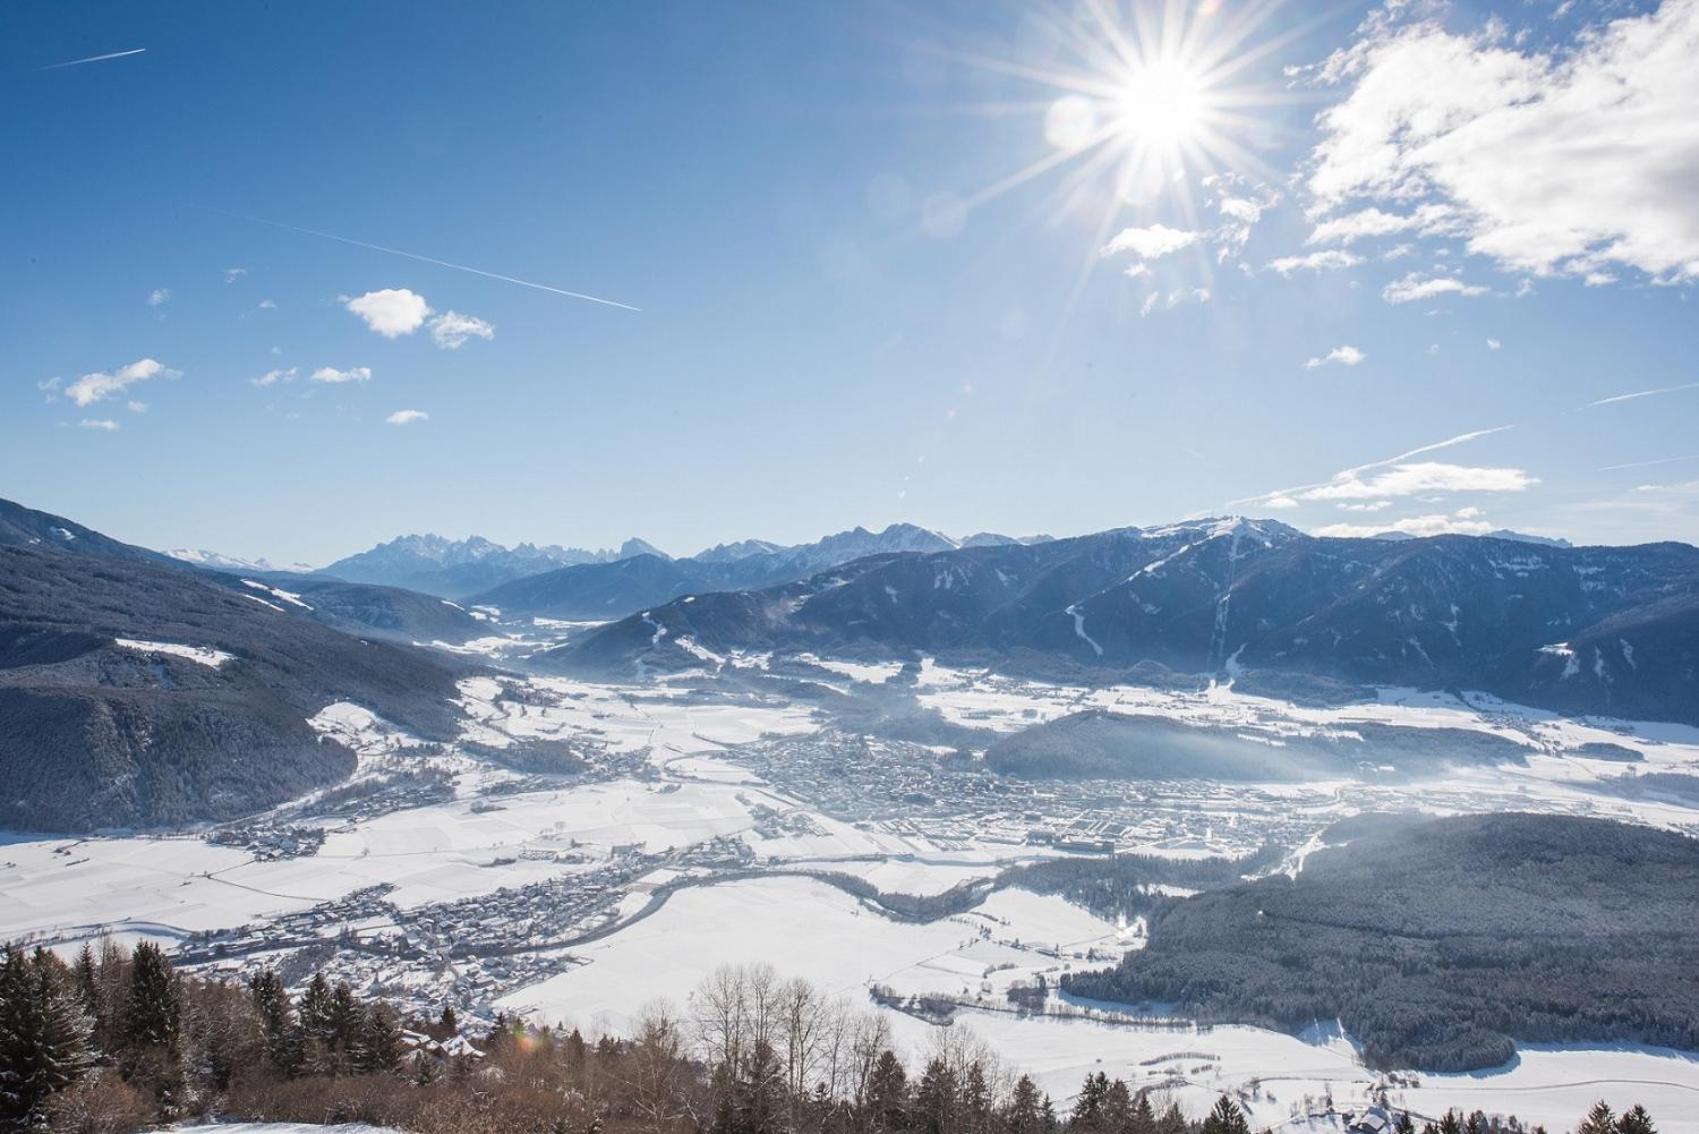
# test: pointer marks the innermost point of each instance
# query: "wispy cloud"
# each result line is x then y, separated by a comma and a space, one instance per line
273, 377
1421, 477
1571, 160
1342, 355
407, 417
159, 297
1613, 400
231, 275
451, 329
1462, 522
1323, 260
1413, 287
104, 424
1151, 243
93, 59
333, 376
1356, 471
91, 388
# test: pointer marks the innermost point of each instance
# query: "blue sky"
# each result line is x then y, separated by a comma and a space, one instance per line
1470, 218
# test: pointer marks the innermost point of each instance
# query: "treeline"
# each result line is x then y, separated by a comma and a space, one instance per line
117, 1042
1127, 885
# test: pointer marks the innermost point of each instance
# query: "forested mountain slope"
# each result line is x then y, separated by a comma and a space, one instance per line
1439, 942
102, 734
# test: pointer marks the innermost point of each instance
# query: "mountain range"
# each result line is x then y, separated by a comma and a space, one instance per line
614, 590
137, 690
457, 568
1599, 629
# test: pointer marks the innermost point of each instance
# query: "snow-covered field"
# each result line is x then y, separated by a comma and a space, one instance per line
809, 929
681, 785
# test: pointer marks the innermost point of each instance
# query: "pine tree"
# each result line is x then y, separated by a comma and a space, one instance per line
347, 1020
1226, 1118
1088, 1106
1599, 1120
151, 1009
1118, 1107
1025, 1113
1143, 1118
975, 1101
935, 1099
379, 1048
44, 1035
277, 1021
887, 1093
1635, 1120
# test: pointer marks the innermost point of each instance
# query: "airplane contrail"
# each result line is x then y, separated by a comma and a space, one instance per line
431, 260
1642, 394
1343, 474
1648, 464
93, 59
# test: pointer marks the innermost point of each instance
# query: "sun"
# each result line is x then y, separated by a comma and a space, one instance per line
1146, 96
1164, 103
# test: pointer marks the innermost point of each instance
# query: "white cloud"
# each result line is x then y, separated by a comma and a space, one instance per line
1418, 477
1281, 502
1431, 525
1149, 304
105, 424
267, 305
407, 417
1566, 161
1327, 259
159, 296
1493, 344
1369, 506
451, 329
137, 407
231, 275
1151, 243
1413, 287
273, 377
91, 388
1428, 220
1240, 209
1343, 355
352, 374
391, 312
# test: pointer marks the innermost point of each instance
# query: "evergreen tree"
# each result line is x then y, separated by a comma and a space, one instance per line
1226, 1118
975, 1101
380, 1047
277, 1021
1143, 1118
887, 1093
1599, 1120
1635, 1120
44, 1035
1403, 1124
347, 1020
935, 1099
151, 1011
1088, 1106
1025, 1112
1117, 1107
